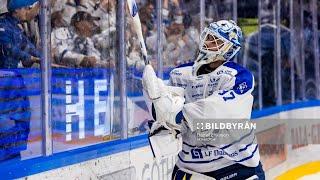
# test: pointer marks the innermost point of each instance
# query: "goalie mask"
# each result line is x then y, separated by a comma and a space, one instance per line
220, 41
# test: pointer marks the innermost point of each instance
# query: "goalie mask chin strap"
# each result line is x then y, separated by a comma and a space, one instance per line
206, 68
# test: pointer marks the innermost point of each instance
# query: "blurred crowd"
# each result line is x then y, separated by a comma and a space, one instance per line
179, 36
180, 33
83, 33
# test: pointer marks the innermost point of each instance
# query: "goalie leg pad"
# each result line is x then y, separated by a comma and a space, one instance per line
165, 143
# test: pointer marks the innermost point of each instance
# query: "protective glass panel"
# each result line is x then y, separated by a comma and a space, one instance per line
249, 52
137, 110
308, 50
20, 84
83, 76
218, 10
285, 51
181, 24
268, 53
318, 64
297, 53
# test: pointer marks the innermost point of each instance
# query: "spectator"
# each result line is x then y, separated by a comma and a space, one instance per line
73, 45
15, 115
147, 17
172, 6
149, 28
190, 38
66, 7
176, 50
175, 43
250, 59
182, 35
106, 10
60, 35
15, 110
14, 44
105, 41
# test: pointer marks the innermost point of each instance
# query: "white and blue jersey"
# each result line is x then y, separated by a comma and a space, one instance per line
225, 93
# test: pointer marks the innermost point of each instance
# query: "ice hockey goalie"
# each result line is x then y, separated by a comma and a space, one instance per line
212, 89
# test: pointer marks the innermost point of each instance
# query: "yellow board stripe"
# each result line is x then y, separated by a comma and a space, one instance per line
300, 171
185, 177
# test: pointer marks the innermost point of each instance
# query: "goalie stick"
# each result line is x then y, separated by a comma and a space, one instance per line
133, 8
153, 91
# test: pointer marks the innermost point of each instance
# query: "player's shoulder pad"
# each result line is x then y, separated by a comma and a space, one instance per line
182, 70
244, 78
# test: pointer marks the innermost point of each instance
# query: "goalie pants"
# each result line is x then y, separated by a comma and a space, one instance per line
233, 172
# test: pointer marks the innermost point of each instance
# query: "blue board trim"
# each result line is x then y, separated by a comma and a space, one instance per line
277, 109
15, 168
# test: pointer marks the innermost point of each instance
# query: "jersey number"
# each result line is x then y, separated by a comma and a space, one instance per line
229, 96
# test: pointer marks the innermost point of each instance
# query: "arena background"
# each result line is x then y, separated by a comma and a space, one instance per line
90, 122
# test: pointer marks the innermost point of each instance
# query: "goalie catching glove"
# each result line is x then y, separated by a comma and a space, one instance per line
167, 102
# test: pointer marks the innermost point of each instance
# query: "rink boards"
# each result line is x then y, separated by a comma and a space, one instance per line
136, 162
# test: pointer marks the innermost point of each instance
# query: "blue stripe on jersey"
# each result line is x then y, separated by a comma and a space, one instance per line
249, 157
199, 162
194, 146
238, 140
203, 146
244, 78
243, 149
185, 152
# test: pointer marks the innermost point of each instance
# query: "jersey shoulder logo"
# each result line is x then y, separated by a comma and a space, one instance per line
242, 87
